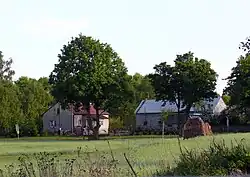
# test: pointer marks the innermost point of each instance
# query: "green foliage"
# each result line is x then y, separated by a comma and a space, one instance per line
167, 83
6, 72
238, 85
35, 99
56, 165
139, 88
116, 123
226, 99
10, 112
89, 71
218, 159
189, 80
198, 78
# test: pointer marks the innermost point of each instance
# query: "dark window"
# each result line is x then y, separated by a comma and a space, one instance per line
160, 122
58, 111
52, 123
145, 123
164, 104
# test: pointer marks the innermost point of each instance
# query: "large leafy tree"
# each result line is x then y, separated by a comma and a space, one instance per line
89, 71
35, 99
139, 88
6, 72
198, 79
238, 85
187, 82
168, 84
10, 112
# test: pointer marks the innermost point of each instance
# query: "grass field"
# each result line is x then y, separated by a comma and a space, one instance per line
146, 153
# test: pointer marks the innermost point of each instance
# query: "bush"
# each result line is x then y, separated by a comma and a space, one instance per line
218, 159
58, 165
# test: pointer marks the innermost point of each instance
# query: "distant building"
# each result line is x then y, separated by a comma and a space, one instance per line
149, 113
71, 121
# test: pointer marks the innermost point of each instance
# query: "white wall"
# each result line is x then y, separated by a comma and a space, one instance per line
65, 119
104, 129
219, 107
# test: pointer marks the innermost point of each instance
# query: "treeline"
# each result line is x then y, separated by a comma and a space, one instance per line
24, 101
237, 92
89, 71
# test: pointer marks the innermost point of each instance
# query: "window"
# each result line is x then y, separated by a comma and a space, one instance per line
79, 122
58, 111
159, 122
52, 124
145, 123
164, 104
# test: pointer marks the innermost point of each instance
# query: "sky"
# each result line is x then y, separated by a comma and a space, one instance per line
142, 32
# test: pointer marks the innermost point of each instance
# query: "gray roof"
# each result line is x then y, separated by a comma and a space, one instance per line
153, 106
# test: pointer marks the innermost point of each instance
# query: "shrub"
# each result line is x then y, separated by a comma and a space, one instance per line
218, 159
56, 165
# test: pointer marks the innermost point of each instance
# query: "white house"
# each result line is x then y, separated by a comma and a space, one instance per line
56, 118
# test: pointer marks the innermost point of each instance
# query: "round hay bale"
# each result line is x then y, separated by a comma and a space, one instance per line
195, 126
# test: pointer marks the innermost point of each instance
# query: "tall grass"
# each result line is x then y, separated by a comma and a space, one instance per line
218, 158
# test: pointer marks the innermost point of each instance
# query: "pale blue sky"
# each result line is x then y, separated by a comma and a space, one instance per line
143, 32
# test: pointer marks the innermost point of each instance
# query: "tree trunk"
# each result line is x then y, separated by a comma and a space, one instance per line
187, 111
178, 117
95, 129
90, 124
163, 128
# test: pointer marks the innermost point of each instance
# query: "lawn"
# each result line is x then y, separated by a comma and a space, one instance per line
146, 153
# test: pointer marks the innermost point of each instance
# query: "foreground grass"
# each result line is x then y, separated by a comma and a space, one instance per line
147, 155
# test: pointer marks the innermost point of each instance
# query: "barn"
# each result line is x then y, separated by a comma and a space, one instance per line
149, 113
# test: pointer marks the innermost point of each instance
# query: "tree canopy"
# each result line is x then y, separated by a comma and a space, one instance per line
238, 85
188, 81
88, 71
6, 72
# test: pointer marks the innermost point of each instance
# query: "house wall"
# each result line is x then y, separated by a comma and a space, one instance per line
104, 129
64, 119
154, 121
219, 107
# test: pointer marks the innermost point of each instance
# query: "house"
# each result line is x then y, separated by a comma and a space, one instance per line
149, 113
67, 120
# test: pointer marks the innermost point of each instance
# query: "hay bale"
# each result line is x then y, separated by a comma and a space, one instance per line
195, 126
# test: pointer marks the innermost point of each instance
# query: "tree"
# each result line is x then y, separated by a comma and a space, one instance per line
199, 79
89, 71
35, 100
164, 117
6, 72
187, 82
226, 99
142, 87
238, 85
168, 84
10, 112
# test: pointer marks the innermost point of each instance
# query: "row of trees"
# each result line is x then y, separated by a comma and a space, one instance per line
91, 72
24, 101
237, 92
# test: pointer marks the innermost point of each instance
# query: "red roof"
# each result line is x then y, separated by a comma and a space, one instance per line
92, 111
